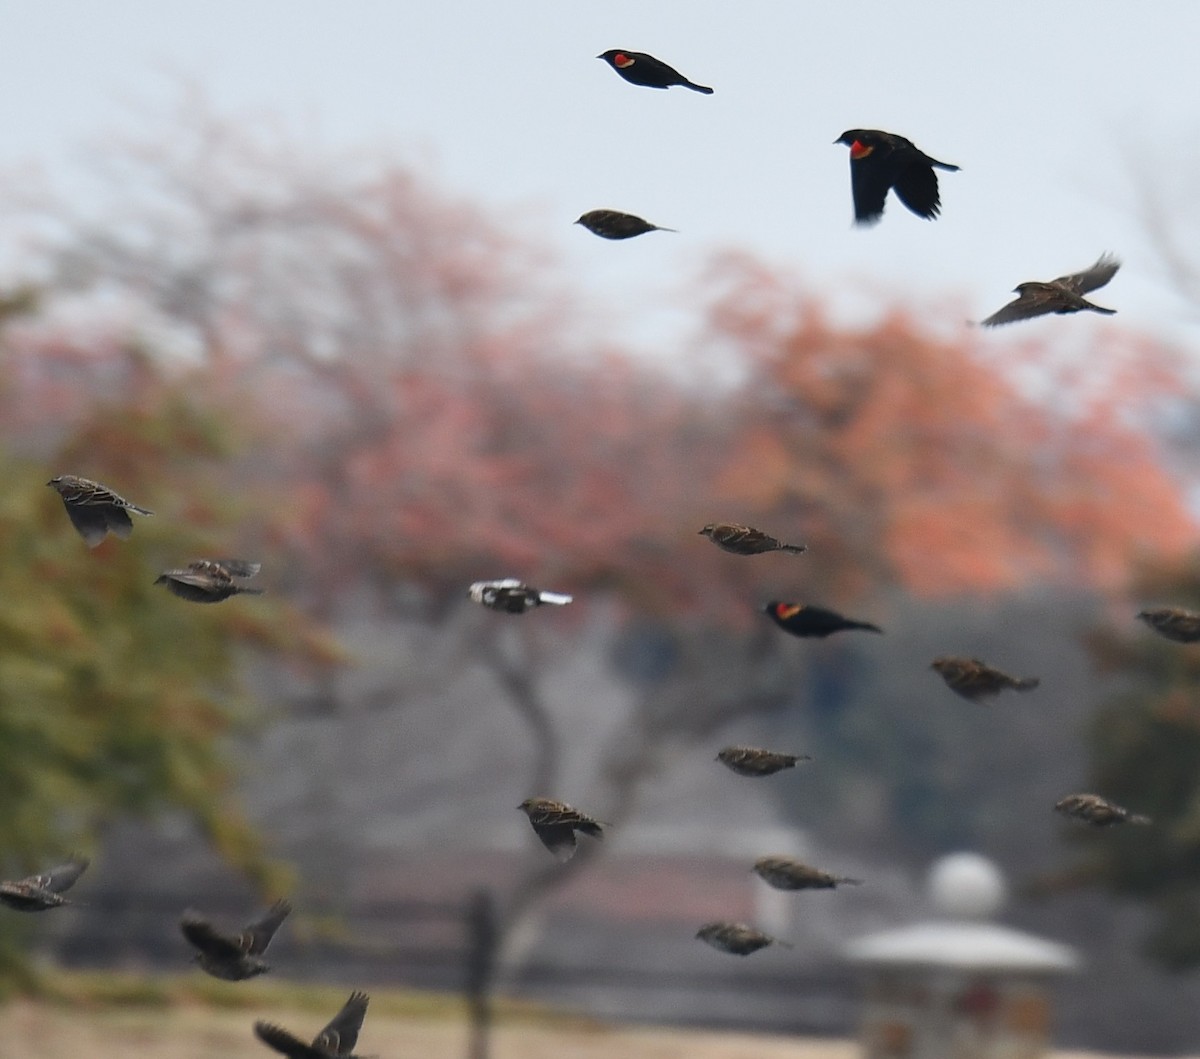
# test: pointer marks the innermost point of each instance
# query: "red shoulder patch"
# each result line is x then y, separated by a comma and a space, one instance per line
622, 60
859, 150
788, 610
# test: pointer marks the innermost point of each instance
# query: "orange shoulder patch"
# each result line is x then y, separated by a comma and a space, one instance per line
859, 150
788, 610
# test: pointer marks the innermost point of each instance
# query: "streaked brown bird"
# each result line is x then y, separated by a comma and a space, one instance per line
94, 509
512, 596
807, 621
210, 580
751, 761
1062, 295
613, 224
975, 680
555, 823
880, 161
335, 1041
36, 893
737, 938
746, 540
784, 873
638, 68
1175, 623
233, 957
1097, 811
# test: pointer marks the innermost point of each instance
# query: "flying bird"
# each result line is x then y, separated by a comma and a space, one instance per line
233, 957
751, 761
555, 823
736, 938
1062, 295
613, 224
210, 580
975, 680
1182, 626
806, 621
1097, 811
746, 540
335, 1041
638, 68
883, 160
784, 873
36, 893
94, 509
512, 596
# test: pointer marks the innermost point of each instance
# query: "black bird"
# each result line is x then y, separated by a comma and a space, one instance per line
638, 68
746, 540
784, 873
1062, 295
233, 957
512, 596
975, 680
210, 580
613, 224
555, 823
1182, 626
736, 938
1097, 811
36, 893
750, 761
802, 620
882, 160
335, 1041
94, 509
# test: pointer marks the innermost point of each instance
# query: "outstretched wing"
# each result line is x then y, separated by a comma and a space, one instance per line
917, 187
200, 934
1021, 308
341, 1035
870, 179
257, 935
225, 567
278, 1038
61, 878
1092, 278
90, 523
194, 587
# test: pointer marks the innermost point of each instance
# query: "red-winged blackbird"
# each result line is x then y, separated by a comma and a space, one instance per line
736, 938
1062, 295
882, 160
784, 873
750, 761
210, 580
613, 224
1182, 626
335, 1041
975, 680
746, 540
233, 957
1097, 811
802, 620
513, 596
36, 893
555, 823
638, 68
94, 509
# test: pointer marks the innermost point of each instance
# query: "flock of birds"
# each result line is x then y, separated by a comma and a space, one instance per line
879, 162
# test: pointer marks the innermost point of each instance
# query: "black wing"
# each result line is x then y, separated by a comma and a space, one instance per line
61, 878
195, 587
869, 182
90, 523
278, 1038
200, 933
917, 188
559, 839
1092, 278
258, 934
1020, 308
118, 521
341, 1035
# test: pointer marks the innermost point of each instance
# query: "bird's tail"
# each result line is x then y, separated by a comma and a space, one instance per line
943, 165
794, 549
591, 827
246, 591
1137, 818
698, 88
1026, 683
559, 599
841, 881
1098, 308
785, 944
138, 510
866, 626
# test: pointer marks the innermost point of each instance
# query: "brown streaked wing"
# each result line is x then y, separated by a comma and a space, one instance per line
1028, 304
1092, 278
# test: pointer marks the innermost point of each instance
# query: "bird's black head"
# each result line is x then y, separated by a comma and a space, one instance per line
617, 58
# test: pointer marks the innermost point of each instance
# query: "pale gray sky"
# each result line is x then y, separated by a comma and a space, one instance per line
1039, 101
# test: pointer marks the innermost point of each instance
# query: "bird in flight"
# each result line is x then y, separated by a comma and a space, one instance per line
880, 161
736, 938
1175, 623
233, 957
36, 893
94, 509
746, 540
1062, 295
638, 68
806, 621
613, 224
975, 680
784, 873
1097, 811
210, 580
555, 823
751, 761
512, 596
335, 1041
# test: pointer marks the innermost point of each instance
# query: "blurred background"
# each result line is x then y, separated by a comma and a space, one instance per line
302, 278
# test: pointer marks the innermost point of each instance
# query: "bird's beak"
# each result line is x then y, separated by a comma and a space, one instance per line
599, 56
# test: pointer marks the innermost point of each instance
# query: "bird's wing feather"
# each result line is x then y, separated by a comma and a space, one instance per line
258, 934
917, 187
1021, 308
869, 185
341, 1034
200, 933
61, 878
1092, 278
278, 1038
